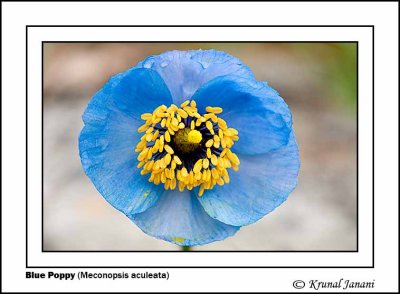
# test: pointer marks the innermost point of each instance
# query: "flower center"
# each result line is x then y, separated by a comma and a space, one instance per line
182, 148
187, 140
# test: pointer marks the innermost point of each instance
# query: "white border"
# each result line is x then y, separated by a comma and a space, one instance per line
362, 35
383, 15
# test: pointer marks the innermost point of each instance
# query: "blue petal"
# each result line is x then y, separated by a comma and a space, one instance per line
186, 71
132, 92
262, 183
262, 118
179, 218
108, 140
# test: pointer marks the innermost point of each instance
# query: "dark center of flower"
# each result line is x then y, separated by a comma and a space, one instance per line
182, 148
187, 140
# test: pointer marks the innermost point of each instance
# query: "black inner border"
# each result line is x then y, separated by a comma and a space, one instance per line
166, 251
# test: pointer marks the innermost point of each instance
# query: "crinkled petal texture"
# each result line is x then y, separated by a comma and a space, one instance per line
179, 218
262, 183
266, 147
256, 110
186, 71
108, 139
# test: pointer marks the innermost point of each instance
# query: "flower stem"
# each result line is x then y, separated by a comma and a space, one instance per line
186, 248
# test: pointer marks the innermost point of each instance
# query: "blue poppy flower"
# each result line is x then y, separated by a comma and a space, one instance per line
190, 146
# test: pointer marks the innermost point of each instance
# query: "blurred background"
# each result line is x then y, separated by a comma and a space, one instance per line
317, 80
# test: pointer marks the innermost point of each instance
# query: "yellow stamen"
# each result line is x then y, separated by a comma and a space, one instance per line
167, 159
184, 104
173, 164
184, 172
177, 160
146, 116
167, 137
142, 128
209, 143
198, 165
209, 155
155, 135
209, 126
201, 191
174, 122
166, 128
206, 163
198, 122
223, 143
215, 110
214, 159
198, 176
149, 136
182, 113
169, 149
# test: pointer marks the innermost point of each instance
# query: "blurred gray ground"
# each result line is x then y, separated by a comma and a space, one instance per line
319, 215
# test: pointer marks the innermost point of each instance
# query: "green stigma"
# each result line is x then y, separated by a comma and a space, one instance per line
194, 136
187, 140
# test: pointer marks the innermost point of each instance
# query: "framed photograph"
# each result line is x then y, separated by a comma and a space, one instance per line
163, 152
